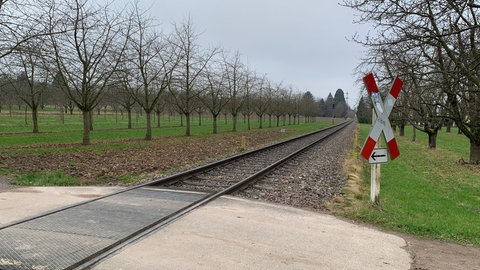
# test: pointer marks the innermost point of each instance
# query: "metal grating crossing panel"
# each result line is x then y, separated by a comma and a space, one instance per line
62, 239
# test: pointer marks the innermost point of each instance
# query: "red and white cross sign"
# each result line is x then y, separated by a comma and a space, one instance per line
382, 110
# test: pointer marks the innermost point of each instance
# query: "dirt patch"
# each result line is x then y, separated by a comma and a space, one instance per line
87, 196
139, 159
439, 255
5, 185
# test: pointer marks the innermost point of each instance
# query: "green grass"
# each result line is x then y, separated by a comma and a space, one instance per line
55, 178
426, 191
109, 127
128, 179
110, 132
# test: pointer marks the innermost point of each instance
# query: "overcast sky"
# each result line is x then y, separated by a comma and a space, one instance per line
302, 43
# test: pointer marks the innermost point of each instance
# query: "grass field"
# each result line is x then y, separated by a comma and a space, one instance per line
118, 154
426, 191
15, 131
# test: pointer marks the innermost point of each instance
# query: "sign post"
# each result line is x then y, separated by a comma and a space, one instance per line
381, 124
374, 171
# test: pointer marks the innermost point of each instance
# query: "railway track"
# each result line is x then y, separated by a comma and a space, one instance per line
229, 174
79, 236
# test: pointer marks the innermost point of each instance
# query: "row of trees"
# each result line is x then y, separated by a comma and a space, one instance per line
433, 46
76, 53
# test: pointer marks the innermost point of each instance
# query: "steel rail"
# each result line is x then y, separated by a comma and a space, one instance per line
175, 216
229, 159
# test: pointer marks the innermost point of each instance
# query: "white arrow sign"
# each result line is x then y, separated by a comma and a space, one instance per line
379, 155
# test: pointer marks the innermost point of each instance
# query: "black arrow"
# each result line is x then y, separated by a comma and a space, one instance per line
375, 156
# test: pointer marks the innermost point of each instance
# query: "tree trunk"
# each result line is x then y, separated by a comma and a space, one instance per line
158, 119
62, 116
414, 136
91, 120
260, 125
187, 119
402, 130
86, 127
474, 152
234, 122
148, 135
129, 114
35, 120
432, 140
248, 122
26, 116
449, 126
214, 124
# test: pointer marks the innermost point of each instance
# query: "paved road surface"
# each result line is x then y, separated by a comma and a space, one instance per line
233, 233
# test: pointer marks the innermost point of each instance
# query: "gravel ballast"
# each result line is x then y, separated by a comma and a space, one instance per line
311, 179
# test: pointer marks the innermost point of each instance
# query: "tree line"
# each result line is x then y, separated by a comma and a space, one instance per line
433, 46
86, 55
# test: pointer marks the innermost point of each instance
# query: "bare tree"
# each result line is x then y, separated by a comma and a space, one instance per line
262, 97
186, 88
88, 41
250, 82
7, 93
308, 106
279, 103
56, 94
19, 23
214, 98
119, 93
298, 107
290, 107
29, 64
234, 70
148, 67
447, 32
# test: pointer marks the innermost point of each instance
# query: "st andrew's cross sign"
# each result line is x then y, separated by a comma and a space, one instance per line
382, 124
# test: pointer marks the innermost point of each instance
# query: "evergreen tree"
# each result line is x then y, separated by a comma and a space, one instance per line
339, 96
364, 113
309, 108
322, 108
341, 108
329, 106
